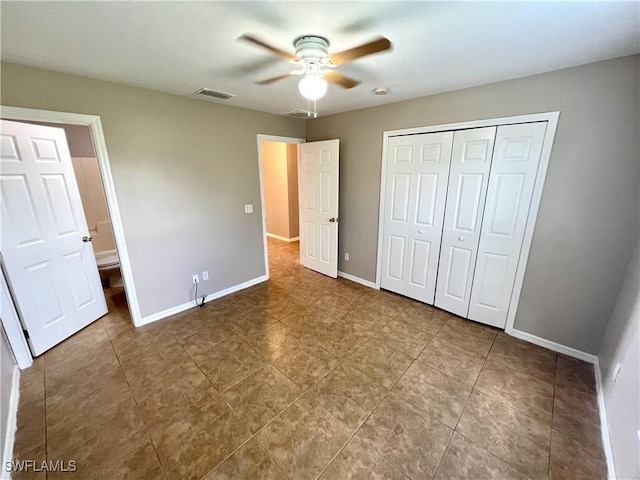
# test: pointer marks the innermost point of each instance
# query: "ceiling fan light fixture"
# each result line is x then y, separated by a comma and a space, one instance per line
312, 87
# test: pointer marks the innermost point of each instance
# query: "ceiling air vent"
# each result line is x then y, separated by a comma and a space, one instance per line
207, 92
297, 113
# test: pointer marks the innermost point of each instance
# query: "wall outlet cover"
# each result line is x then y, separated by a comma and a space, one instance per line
346, 257
195, 279
205, 275
248, 208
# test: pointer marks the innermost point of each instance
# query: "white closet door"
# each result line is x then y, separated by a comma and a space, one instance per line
416, 179
468, 179
513, 175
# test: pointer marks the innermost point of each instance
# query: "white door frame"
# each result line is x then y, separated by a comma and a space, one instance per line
97, 134
552, 119
270, 138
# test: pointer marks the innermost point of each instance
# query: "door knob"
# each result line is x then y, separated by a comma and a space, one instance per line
332, 219
86, 239
420, 231
461, 238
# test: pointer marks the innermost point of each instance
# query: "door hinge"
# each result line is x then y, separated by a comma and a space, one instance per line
26, 334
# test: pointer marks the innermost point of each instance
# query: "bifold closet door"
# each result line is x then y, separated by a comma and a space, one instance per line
416, 186
468, 180
511, 182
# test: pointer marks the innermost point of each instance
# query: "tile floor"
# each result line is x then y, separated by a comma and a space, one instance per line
306, 377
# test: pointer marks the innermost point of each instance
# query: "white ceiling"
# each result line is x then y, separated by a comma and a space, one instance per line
179, 47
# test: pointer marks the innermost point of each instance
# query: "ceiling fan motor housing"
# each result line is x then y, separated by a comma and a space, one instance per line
311, 47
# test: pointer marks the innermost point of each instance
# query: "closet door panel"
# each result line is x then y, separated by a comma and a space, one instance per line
468, 180
513, 174
416, 178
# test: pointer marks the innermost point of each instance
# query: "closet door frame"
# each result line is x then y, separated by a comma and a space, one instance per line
552, 122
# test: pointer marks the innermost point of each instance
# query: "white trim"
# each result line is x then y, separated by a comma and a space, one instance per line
12, 423
556, 347
270, 138
12, 326
604, 425
284, 239
552, 122
210, 297
361, 281
97, 134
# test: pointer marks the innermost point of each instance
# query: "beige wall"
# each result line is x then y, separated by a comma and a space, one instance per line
276, 188
621, 345
183, 169
588, 219
292, 174
280, 182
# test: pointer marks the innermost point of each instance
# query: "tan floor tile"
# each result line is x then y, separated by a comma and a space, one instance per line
571, 459
28, 471
260, 397
366, 321
424, 317
468, 334
348, 395
165, 397
31, 424
192, 446
575, 374
370, 305
225, 365
304, 439
152, 363
576, 414
406, 437
274, 341
80, 403
250, 322
434, 392
404, 338
96, 360
249, 462
457, 362
380, 362
305, 366
90, 337
465, 459
357, 461
514, 437
193, 321
100, 442
526, 356
143, 464
521, 391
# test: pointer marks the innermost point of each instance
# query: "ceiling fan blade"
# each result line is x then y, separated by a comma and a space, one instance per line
379, 45
339, 79
269, 81
266, 46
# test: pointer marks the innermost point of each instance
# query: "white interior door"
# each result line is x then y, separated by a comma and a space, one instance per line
51, 270
468, 178
318, 192
416, 187
513, 176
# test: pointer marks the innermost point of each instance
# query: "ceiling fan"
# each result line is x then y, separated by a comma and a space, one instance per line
316, 64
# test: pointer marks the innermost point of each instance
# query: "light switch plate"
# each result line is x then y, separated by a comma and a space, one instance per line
248, 208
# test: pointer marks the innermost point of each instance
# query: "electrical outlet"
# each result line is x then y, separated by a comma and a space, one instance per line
195, 278
346, 257
616, 372
205, 275
248, 208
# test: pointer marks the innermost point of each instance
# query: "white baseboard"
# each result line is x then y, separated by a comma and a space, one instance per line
210, 296
587, 357
556, 347
284, 239
12, 423
604, 424
361, 281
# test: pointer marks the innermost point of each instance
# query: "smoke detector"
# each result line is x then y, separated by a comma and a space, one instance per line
381, 91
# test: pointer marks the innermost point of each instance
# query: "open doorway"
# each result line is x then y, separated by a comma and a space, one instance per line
279, 167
